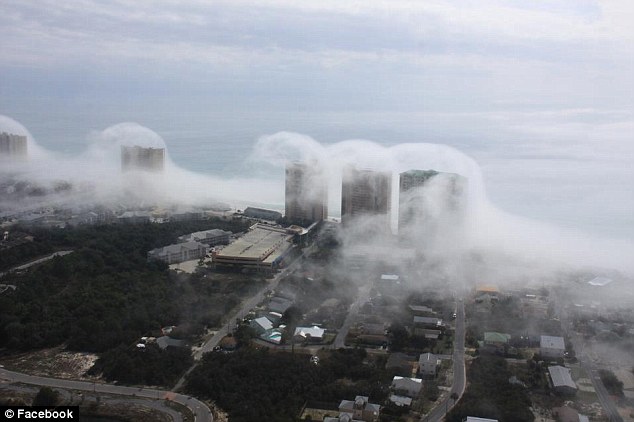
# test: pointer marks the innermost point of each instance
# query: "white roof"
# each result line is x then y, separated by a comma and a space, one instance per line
561, 377
264, 322
551, 342
314, 332
475, 419
400, 400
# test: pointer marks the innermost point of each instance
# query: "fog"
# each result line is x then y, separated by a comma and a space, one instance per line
479, 239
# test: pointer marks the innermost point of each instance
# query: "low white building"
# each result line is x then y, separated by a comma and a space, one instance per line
313, 333
551, 347
179, 252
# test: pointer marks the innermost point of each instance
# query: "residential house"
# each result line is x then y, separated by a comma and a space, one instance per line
495, 342
360, 409
422, 325
313, 333
561, 380
404, 386
401, 401
428, 364
551, 347
475, 419
261, 324
165, 341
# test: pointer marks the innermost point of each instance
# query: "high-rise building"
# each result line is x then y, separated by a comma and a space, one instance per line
365, 192
13, 145
140, 158
423, 194
306, 194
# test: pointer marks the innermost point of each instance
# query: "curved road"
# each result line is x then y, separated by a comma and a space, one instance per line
459, 372
199, 409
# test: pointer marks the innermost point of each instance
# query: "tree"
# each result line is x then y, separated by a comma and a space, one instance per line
46, 397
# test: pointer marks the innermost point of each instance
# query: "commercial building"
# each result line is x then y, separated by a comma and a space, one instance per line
208, 237
425, 194
365, 192
140, 158
306, 194
179, 252
13, 145
262, 247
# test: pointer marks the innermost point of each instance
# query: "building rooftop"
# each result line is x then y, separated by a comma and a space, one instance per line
551, 342
313, 332
560, 377
495, 337
261, 243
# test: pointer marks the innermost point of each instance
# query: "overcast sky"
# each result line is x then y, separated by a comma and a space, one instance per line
540, 93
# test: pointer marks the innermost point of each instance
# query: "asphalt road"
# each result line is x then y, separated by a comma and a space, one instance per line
459, 372
200, 410
244, 309
609, 407
340, 340
608, 404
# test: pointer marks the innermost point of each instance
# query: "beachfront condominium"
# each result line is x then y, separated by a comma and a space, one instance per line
12, 145
365, 193
140, 158
427, 194
306, 194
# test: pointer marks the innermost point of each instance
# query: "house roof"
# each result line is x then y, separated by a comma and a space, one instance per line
264, 322
475, 419
313, 332
428, 358
495, 337
166, 341
560, 377
552, 342
404, 383
428, 320
400, 400
421, 308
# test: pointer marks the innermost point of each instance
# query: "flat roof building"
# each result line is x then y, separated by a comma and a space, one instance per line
262, 247
306, 194
365, 192
141, 158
